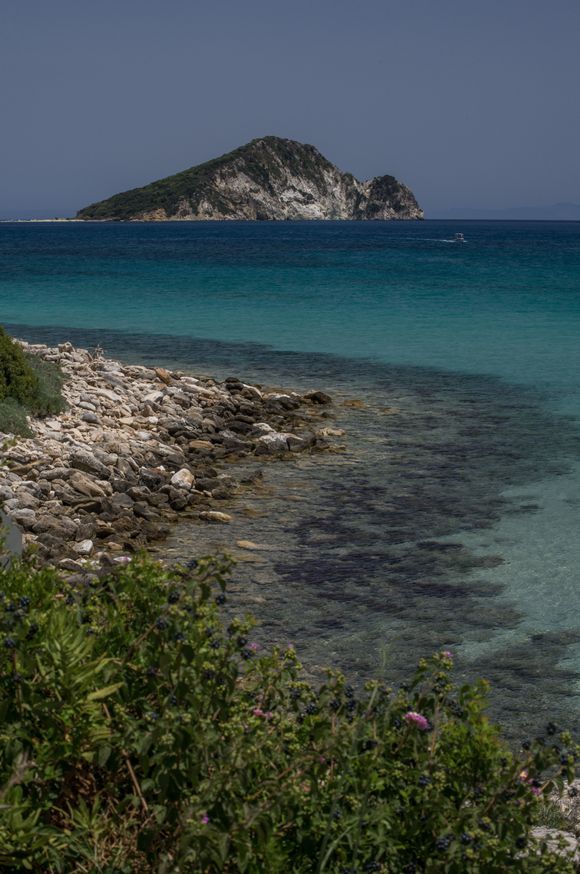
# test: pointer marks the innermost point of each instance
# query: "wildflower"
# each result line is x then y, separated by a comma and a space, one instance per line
534, 785
205, 819
447, 654
254, 646
417, 719
257, 711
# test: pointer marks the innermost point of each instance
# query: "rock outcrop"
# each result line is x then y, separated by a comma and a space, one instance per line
135, 447
267, 179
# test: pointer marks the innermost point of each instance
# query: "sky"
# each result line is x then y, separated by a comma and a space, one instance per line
473, 104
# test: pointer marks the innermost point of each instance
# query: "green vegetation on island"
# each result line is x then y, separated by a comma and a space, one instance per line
28, 385
142, 729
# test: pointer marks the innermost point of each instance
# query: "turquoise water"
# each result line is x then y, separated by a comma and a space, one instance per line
454, 521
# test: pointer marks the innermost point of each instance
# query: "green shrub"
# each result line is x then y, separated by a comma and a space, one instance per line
17, 378
142, 730
27, 385
13, 418
48, 400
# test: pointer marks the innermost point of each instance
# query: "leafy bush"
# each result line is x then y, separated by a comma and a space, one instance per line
48, 400
142, 730
27, 385
13, 418
17, 378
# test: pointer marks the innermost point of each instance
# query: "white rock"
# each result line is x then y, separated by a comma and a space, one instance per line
183, 479
263, 428
215, 516
153, 397
83, 547
272, 442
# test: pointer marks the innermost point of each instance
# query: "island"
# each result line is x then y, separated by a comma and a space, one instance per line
268, 179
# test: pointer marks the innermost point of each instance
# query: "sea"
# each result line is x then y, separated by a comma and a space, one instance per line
448, 515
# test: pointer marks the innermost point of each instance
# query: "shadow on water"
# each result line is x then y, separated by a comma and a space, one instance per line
363, 556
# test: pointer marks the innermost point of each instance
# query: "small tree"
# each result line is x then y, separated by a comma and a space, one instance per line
17, 378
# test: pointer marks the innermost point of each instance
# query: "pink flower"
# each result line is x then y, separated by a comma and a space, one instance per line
205, 819
525, 778
447, 654
257, 711
417, 719
254, 646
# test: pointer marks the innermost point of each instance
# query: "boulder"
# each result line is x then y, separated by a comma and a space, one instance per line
317, 397
270, 443
82, 459
183, 479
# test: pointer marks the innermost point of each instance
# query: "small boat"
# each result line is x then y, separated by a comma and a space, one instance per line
459, 238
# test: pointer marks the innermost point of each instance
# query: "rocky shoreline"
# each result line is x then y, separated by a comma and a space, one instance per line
136, 448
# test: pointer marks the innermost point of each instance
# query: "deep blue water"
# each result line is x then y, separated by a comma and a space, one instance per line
452, 521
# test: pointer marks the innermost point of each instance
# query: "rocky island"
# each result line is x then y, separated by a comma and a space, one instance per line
269, 179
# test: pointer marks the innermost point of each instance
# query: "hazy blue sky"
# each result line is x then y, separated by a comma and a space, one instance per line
472, 103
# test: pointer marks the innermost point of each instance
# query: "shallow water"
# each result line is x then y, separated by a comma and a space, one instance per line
450, 518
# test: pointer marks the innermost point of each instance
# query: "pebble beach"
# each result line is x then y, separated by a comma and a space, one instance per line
136, 449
